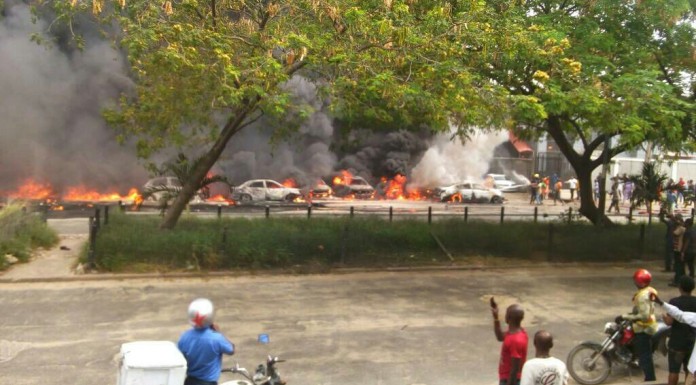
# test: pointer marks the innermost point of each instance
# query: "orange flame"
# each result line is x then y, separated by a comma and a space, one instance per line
290, 182
32, 190
345, 178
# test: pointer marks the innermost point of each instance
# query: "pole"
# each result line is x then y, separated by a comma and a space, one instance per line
536, 214
352, 211
219, 211
97, 217
106, 215
391, 213
502, 214
570, 214
268, 211
309, 211
91, 258
430, 214
466, 214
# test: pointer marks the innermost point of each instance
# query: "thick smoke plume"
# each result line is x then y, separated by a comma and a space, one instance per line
450, 161
51, 129
50, 101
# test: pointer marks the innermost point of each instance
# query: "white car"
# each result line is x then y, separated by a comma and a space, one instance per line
500, 182
264, 190
469, 192
357, 187
161, 187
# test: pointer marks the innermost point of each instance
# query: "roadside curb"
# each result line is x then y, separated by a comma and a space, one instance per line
87, 277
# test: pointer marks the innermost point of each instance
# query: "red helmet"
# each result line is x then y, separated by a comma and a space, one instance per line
642, 278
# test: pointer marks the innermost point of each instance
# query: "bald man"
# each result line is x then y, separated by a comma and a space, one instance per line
513, 353
544, 369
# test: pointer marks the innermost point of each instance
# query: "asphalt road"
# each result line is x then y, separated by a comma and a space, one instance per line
386, 328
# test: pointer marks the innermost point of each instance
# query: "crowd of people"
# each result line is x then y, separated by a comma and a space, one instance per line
204, 345
621, 190
544, 369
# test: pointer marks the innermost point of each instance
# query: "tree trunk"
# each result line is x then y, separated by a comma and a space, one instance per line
583, 166
204, 164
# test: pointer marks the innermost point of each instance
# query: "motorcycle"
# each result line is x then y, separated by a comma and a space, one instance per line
590, 363
266, 374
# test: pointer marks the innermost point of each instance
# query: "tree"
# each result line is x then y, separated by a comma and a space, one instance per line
204, 70
648, 186
606, 74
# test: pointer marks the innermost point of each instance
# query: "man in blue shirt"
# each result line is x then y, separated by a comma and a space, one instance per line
203, 345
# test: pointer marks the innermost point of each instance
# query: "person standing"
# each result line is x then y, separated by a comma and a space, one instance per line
678, 246
534, 189
513, 352
687, 318
544, 369
572, 186
557, 192
669, 221
203, 345
628, 190
614, 197
681, 339
644, 322
689, 248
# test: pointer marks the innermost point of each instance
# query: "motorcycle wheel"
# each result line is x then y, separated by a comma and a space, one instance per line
587, 365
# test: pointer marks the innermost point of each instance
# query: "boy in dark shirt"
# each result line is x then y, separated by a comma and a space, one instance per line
681, 341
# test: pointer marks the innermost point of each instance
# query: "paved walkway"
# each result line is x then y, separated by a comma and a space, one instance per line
58, 262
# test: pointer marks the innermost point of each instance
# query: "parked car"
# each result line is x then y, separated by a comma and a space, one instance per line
469, 192
502, 183
264, 190
161, 188
356, 187
318, 190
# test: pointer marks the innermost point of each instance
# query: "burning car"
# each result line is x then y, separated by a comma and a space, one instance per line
349, 186
319, 190
165, 188
469, 192
264, 190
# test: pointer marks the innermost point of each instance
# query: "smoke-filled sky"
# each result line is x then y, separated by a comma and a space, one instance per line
51, 129
50, 101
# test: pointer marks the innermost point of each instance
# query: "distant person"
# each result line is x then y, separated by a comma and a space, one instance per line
544, 369
614, 197
689, 248
681, 339
628, 190
643, 321
668, 219
534, 189
572, 186
513, 352
677, 247
203, 345
557, 192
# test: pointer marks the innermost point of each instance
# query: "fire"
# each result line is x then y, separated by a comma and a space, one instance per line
290, 182
219, 198
396, 189
344, 178
81, 193
32, 190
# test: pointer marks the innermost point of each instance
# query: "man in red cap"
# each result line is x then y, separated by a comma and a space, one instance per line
644, 321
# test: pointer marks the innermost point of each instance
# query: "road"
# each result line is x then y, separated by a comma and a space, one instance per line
386, 328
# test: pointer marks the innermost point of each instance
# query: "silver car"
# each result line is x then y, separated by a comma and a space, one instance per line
264, 190
469, 192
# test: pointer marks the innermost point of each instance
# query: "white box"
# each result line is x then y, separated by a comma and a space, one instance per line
151, 363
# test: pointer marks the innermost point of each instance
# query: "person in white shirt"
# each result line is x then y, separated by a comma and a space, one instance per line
684, 317
544, 369
572, 185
